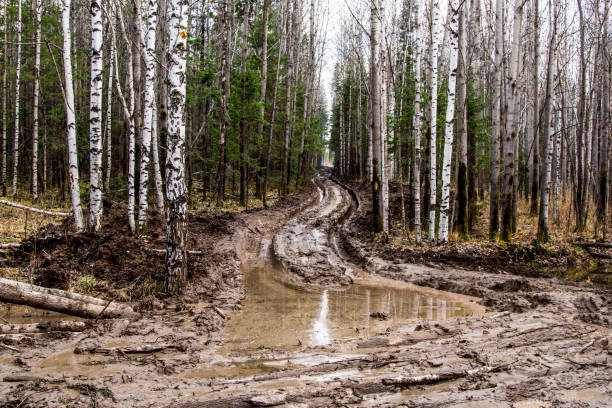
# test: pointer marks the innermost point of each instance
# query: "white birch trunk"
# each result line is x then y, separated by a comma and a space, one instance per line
73, 165
176, 190
450, 119
417, 125
109, 116
35, 119
156, 167
128, 110
434, 117
17, 99
95, 118
384, 134
4, 96
149, 102
543, 234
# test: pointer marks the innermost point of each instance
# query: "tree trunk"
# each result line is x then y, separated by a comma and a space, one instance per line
535, 129
4, 97
543, 234
433, 183
17, 100
510, 130
226, 66
149, 108
496, 127
462, 138
450, 116
95, 119
376, 14
262, 95
61, 301
176, 190
73, 165
244, 144
417, 124
109, 117
35, 120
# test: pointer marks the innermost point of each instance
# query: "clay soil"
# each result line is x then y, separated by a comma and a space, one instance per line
543, 341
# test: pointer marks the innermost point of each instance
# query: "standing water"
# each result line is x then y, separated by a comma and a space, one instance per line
281, 317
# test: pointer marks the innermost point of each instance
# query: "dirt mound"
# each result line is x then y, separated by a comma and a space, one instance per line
116, 263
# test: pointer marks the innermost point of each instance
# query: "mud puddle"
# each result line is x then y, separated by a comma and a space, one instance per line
278, 318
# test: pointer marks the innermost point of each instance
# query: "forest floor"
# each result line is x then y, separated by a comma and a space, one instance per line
298, 305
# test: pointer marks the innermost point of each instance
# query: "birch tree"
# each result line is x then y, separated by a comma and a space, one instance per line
4, 98
176, 190
433, 181
35, 116
376, 13
149, 104
17, 100
510, 130
543, 231
417, 124
109, 115
450, 119
95, 118
73, 165
496, 128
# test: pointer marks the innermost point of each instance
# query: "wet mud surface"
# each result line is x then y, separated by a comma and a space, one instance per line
329, 319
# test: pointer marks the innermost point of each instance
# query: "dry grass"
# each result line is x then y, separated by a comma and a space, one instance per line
17, 224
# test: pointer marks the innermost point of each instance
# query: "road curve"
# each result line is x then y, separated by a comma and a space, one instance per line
305, 245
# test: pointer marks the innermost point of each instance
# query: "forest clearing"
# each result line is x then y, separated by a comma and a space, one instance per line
247, 203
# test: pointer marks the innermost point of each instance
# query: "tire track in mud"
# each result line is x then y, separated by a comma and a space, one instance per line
306, 245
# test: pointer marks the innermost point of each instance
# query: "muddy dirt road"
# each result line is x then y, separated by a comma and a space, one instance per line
331, 319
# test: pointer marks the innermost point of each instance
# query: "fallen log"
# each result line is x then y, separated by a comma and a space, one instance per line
593, 244
54, 326
11, 245
598, 255
163, 251
31, 378
36, 210
62, 301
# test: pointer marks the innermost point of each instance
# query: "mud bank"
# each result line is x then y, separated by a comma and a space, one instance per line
500, 289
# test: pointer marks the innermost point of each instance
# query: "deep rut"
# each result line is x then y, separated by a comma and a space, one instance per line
305, 245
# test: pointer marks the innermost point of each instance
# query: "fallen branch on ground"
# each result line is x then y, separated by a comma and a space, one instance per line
10, 348
36, 210
404, 381
31, 378
11, 245
144, 348
62, 301
593, 244
163, 251
597, 255
57, 326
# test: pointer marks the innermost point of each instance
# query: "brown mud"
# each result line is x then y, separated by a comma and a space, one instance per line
304, 336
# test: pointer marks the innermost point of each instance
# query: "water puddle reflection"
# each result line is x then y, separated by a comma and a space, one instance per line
281, 317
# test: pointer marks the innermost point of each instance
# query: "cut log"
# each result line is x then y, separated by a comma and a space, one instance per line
62, 301
11, 245
36, 210
53, 326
